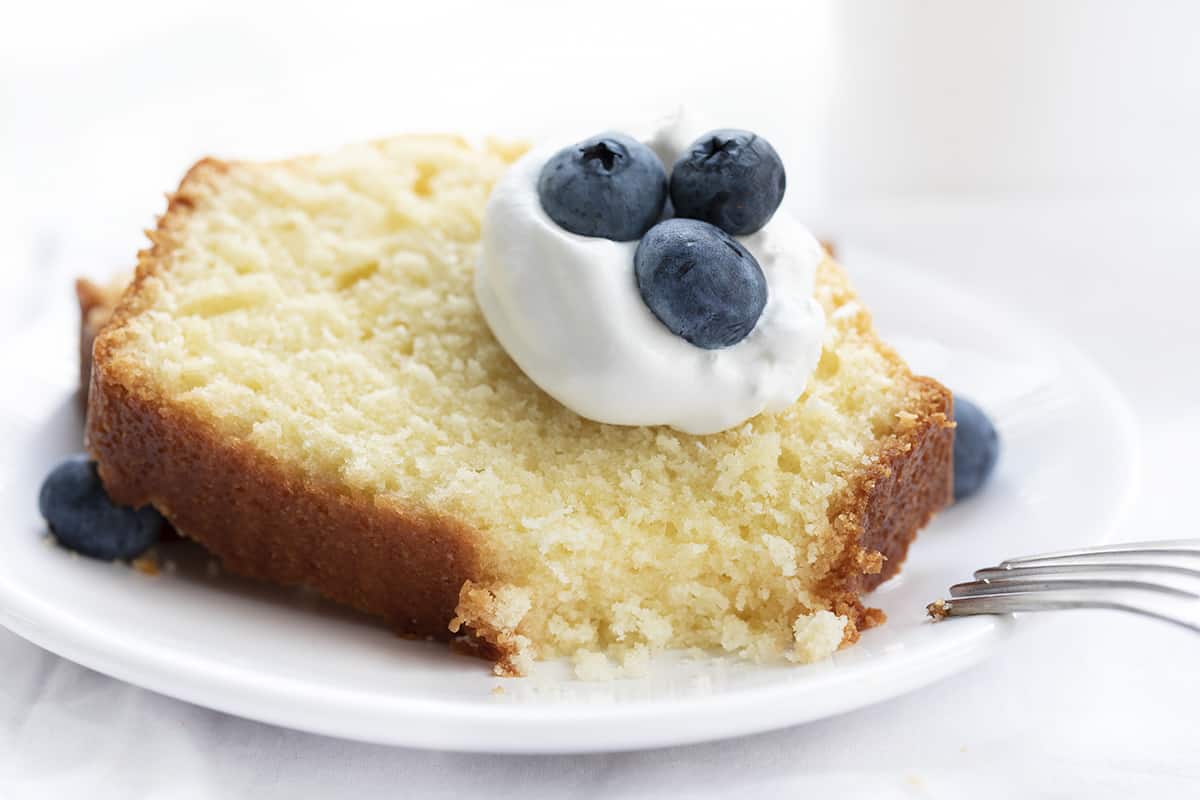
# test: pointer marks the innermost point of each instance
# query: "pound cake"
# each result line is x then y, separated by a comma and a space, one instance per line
300, 379
96, 304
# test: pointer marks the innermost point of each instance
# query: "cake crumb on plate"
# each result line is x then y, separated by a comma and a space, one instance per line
146, 564
938, 610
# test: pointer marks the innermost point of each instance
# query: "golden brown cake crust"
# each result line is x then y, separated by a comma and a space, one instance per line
263, 523
887, 503
410, 566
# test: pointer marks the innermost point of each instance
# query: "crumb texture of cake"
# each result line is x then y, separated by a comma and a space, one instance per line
300, 379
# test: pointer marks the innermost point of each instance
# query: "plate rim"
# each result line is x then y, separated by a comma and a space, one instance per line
462, 726
500, 728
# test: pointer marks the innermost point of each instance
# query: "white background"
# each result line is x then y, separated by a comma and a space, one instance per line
1043, 154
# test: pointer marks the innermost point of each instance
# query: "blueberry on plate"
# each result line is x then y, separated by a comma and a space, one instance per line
976, 447
700, 282
610, 186
84, 519
731, 178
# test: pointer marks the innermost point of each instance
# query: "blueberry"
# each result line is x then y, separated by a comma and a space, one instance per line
84, 519
610, 185
733, 179
976, 447
700, 282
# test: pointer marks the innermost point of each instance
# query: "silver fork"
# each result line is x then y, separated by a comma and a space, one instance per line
1158, 579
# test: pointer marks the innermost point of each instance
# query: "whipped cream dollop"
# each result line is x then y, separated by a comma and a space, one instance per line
567, 310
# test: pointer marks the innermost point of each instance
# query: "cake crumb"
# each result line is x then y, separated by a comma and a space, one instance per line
592, 666
782, 553
146, 564
846, 310
518, 663
870, 561
636, 662
497, 690
938, 610
817, 636
492, 616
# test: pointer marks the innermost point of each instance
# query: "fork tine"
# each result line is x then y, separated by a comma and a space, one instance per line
1159, 579
1180, 548
1148, 603
1170, 574
1052, 583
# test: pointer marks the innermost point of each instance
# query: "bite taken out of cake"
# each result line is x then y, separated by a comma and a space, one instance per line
427, 381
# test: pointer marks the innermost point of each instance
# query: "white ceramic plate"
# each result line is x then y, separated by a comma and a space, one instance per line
1065, 478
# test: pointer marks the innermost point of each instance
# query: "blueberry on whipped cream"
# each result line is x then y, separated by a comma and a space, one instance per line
731, 178
641, 333
610, 185
700, 282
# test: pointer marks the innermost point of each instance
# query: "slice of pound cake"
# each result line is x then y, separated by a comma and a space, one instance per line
301, 379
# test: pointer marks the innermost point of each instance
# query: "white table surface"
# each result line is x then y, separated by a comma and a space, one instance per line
1075, 705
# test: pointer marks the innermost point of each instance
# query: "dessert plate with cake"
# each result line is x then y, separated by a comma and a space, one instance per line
488, 447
